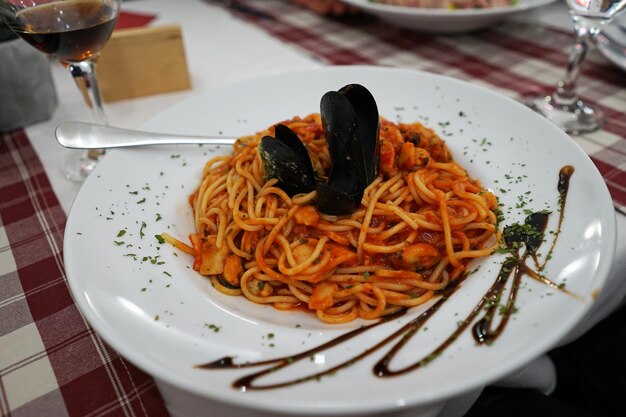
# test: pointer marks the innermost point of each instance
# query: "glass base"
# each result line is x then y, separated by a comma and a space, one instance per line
575, 118
78, 165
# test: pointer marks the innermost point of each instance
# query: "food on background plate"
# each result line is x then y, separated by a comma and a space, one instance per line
449, 4
342, 213
326, 7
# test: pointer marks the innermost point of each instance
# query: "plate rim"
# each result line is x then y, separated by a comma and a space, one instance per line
447, 13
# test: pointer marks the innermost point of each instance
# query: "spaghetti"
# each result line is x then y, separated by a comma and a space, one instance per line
419, 224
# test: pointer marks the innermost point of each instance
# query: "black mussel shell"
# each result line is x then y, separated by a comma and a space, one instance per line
368, 126
341, 195
339, 120
286, 158
351, 126
347, 174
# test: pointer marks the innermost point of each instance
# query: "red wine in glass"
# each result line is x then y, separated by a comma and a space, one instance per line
80, 35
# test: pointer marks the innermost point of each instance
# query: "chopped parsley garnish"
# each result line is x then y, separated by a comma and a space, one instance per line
213, 327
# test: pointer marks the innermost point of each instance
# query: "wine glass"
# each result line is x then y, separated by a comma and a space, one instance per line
563, 106
73, 32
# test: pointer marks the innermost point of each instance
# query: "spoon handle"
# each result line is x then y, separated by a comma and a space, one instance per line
79, 135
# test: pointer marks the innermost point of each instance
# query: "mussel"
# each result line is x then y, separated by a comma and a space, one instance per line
351, 125
285, 158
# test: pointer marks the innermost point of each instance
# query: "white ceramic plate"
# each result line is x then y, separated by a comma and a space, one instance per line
444, 20
144, 299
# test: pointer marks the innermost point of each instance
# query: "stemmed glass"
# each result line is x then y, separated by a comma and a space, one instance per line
73, 32
563, 106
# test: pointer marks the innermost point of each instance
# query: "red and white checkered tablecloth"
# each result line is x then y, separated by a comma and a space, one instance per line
51, 362
512, 58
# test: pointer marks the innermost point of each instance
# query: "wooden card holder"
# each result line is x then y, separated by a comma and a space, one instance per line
142, 62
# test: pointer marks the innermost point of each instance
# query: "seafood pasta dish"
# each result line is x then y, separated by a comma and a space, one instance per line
342, 213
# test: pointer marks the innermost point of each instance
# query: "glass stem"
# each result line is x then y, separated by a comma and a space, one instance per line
84, 74
566, 90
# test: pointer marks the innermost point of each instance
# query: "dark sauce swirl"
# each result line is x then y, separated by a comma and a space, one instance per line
521, 243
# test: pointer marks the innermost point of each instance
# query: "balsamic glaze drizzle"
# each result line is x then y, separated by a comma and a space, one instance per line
522, 243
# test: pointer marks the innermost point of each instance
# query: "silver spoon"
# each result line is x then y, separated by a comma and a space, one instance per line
79, 135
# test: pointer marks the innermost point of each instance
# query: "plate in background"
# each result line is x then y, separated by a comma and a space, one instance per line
445, 20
